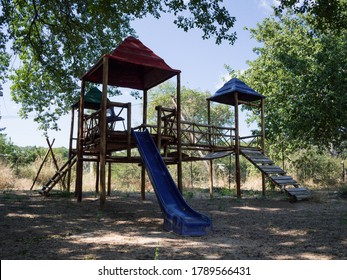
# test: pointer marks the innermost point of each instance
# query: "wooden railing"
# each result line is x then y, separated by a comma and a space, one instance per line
206, 136
91, 125
253, 141
193, 136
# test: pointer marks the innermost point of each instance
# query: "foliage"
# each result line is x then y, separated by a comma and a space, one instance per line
317, 165
303, 75
325, 14
56, 41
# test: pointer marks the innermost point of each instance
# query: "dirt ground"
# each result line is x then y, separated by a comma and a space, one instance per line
58, 227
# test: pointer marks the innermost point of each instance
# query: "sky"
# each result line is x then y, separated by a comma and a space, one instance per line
201, 63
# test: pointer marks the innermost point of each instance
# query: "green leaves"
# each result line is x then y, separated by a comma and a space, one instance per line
322, 14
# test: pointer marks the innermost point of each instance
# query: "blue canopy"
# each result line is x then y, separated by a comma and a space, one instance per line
226, 93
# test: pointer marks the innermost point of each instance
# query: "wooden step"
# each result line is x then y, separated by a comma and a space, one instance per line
299, 193
271, 169
256, 157
247, 151
284, 180
262, 161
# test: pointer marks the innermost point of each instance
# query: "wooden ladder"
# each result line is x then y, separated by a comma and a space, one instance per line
58, 175
276, 174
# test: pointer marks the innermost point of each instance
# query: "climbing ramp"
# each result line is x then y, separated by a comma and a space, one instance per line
276, 174
58, 175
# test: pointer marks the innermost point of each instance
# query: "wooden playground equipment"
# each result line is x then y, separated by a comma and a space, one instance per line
102, 134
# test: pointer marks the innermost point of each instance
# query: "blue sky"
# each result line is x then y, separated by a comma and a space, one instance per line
201, 62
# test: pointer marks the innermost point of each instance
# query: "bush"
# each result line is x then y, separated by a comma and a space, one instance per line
319, 166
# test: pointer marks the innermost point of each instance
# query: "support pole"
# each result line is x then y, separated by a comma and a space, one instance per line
144, 109
109, 173
262, 142
237, 147
211, 177
103, 133
80, 140
179, 143
70, 147
97, 175
143, 182
144, 122
210, 142
129, 130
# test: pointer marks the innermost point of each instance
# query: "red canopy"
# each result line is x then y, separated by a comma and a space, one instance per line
132, 65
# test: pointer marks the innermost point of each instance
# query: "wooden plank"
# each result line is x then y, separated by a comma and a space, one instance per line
286, 183
271, 169
261, 156
262, 161
248, 151
284, 180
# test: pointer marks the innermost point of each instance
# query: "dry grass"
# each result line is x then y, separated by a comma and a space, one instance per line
7, 177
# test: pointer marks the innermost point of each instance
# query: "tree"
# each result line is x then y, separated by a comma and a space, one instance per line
325, 14
56, 41
302, 73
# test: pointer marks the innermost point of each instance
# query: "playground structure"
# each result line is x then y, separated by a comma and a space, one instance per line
100, 138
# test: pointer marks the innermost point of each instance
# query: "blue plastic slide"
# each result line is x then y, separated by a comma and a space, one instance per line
178, 216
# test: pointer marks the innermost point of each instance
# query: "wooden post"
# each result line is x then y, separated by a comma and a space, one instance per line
109, 173
144, 122
129, 130
262, 142
210, 142
237, 147
343, 170
211, 177
80, 140
144, 109
209, 122
70, 147
97, 175
159, 126
143, 182
179, 143
103, 133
